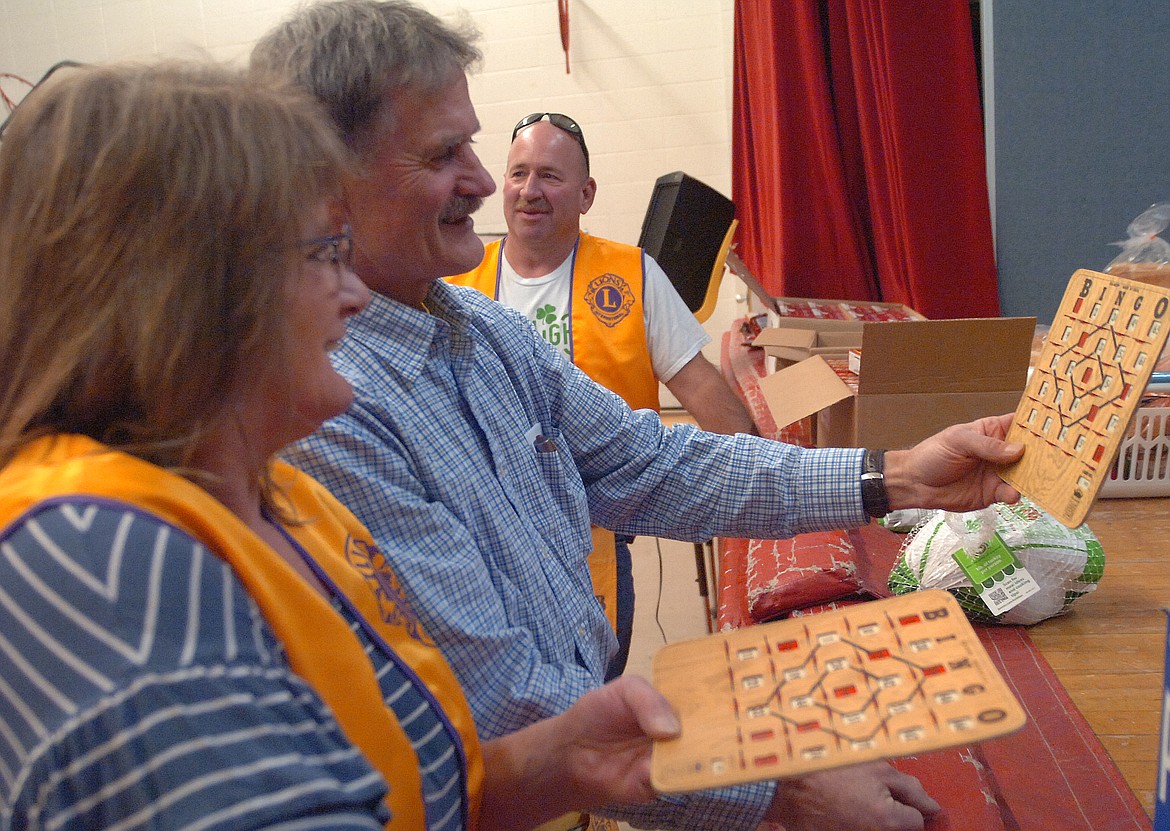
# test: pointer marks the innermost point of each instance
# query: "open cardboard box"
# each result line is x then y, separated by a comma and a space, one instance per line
917, 376
790, 340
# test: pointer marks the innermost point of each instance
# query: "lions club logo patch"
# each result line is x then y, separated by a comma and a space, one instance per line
395, 609
610, 298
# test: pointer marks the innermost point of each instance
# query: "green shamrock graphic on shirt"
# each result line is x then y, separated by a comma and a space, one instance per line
553, 327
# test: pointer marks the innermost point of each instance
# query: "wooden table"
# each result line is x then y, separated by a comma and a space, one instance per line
1108, 650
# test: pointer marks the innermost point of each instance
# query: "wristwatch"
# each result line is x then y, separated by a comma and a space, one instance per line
874, 498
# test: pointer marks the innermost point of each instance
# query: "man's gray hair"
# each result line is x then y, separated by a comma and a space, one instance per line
353, 54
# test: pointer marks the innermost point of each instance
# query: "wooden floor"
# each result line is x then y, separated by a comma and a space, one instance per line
1108, 650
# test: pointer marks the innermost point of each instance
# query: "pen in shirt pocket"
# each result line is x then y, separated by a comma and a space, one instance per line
540, 441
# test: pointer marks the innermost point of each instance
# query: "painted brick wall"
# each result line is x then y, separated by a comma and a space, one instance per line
649, 80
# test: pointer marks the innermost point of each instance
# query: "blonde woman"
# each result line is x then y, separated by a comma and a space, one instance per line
191, 634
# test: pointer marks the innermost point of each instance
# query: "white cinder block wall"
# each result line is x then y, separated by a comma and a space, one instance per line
649, 80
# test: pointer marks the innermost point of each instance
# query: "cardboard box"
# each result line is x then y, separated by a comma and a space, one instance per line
793, 339
919, 376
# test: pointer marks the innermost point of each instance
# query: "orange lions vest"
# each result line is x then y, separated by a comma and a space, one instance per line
319, 644
606, 314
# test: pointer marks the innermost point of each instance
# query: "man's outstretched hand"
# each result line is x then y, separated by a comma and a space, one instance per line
956, 469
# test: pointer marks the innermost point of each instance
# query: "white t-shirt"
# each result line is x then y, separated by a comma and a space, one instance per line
673, 336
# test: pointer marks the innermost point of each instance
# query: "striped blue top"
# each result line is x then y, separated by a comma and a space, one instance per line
140, 687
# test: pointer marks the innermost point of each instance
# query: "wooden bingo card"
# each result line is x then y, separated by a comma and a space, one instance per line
876, 680
1089, 379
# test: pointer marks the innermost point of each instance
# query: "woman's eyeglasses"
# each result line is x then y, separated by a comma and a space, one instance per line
335, 248
557, 120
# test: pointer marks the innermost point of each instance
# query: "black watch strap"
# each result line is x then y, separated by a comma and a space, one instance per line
874, 498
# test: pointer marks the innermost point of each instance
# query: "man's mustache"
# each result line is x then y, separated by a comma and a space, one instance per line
460, 207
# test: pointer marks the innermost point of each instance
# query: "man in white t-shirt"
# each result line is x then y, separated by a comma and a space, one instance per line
609, 307
557, 277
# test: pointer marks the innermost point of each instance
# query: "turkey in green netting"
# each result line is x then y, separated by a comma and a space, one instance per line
1065, 562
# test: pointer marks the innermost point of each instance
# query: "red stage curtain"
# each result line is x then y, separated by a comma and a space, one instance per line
858, 168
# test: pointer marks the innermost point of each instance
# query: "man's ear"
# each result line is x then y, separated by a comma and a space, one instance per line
588, 192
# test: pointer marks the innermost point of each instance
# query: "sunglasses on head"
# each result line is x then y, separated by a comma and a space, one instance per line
557, 120
48, 73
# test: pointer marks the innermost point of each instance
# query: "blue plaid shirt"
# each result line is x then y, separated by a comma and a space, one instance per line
476, 455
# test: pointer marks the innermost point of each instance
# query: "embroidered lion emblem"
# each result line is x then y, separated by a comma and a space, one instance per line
393, 606
610, 298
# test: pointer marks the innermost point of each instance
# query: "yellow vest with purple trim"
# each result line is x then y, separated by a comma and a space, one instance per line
606, 314
319, 644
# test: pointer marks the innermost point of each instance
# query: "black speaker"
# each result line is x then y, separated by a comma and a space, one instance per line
683, 230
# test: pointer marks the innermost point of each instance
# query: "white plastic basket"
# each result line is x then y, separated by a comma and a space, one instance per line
1143, 460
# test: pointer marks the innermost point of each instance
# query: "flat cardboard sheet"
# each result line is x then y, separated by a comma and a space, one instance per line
953, 356
802, 390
